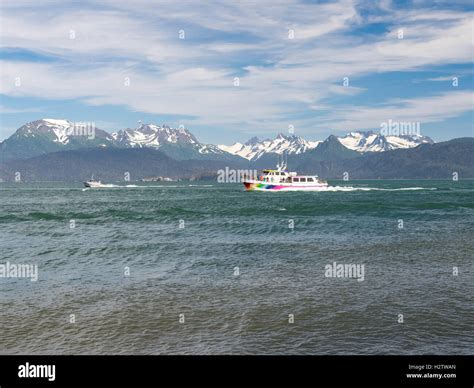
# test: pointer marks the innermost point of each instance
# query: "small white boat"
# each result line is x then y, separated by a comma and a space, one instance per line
282, 180
93, 184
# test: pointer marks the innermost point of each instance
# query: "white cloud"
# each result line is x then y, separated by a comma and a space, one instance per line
279, 77
423, 110
441, 79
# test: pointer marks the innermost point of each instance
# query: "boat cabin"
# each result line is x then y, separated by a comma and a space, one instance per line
281, 176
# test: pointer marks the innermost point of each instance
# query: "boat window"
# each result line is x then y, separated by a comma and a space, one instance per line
303, 180
310, 180
296, 179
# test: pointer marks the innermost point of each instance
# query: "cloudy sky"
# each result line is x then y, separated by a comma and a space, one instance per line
230, 70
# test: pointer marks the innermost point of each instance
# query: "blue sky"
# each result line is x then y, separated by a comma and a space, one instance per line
73, 60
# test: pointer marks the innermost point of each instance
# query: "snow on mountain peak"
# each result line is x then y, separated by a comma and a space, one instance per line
63, 132
368, 141
152, 135
253, 149
58, 129
372, 142
156, 136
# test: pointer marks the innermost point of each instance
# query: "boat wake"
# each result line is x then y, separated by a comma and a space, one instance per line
321, 189
112, 186
350, 188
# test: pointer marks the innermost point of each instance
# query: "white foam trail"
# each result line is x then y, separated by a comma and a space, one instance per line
148, 186
350, 188
107, 186
112, 186
161, 187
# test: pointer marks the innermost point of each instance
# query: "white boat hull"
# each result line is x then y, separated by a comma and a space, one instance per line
96, 185
254, 185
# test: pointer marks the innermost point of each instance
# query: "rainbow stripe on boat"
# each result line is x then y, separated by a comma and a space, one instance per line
259, 186
249, 186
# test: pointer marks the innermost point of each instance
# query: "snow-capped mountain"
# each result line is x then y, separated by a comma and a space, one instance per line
50, 135
151, 135
178, 142
62, 131
374, 142
57, 129
254, 149
361, 142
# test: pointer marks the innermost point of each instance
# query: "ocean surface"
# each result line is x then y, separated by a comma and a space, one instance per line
206, 268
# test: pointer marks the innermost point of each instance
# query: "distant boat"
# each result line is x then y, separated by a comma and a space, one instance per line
282, 180
93, 184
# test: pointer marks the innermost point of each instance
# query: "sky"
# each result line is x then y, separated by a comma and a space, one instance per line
231, 70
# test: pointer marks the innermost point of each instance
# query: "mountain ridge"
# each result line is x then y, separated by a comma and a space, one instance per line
51, 135
426, 161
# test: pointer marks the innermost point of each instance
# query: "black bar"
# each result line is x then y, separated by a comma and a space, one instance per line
312, 371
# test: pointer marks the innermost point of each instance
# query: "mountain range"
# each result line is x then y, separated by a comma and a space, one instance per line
51, 149
254, 148
50, 135
361, 142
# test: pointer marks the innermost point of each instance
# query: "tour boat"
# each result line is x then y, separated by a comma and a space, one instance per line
282, 180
